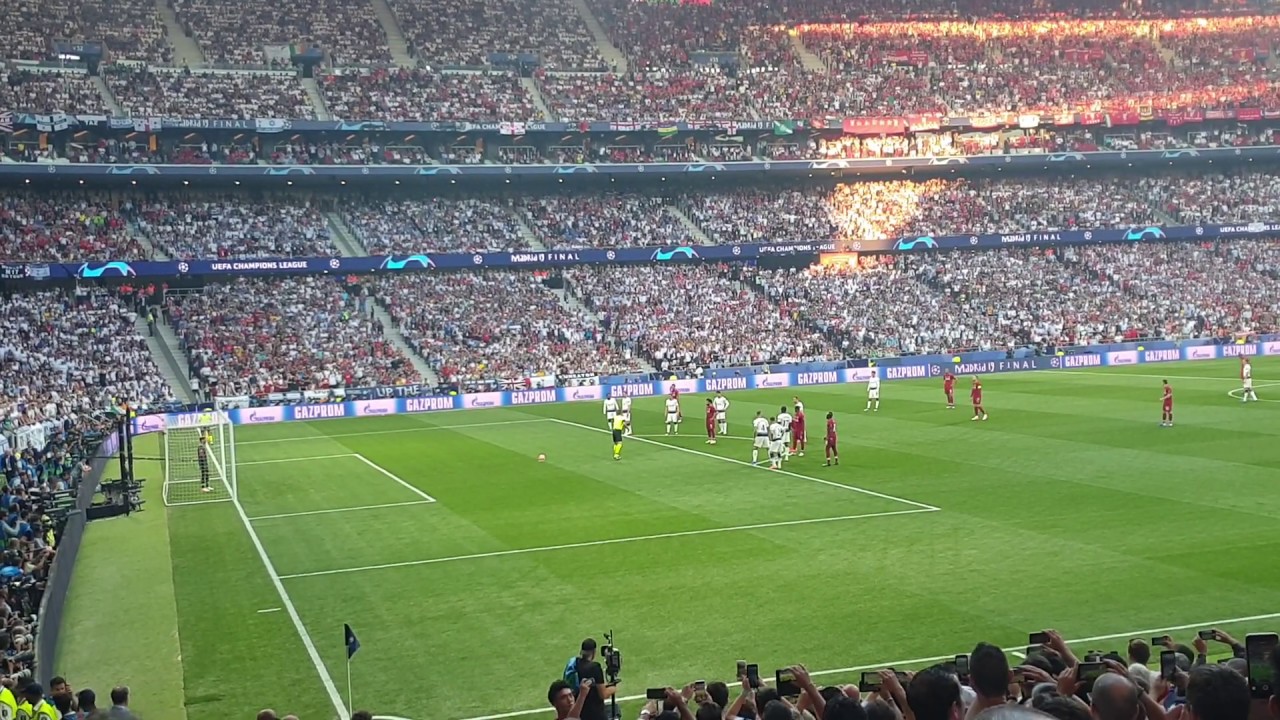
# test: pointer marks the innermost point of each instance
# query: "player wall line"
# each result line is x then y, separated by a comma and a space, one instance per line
820, 481
944, 658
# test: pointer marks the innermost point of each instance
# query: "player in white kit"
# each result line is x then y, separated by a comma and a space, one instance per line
721, 404
760, 437
1246, 381
610, 411
673, 416
873, 393
626, 413
784, 419
777, 444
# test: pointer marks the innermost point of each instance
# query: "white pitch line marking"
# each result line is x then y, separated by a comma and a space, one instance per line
424, 428
389, 474
1019, 655
314, 655
341, 510
268, 610
942, 658
297, 459
1232, 393
820, 481
613, 541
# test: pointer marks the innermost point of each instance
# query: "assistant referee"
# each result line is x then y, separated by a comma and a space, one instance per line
618, 424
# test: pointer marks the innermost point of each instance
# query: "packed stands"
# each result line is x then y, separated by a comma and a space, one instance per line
623, 220
999, 300
658, 95
400, 94
257, 336
130, 29
890, 209
145, 93
678, 316
236, 34
234, 228
65, 228
43, 91
73, 354
433, 225
479, 329
465, 34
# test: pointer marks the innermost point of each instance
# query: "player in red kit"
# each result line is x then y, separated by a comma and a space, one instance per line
831, 451
949, 387
1166, 416
711, 423
797, 431
675, 393
975, 394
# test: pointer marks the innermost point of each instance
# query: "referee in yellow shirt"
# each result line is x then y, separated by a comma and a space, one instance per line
618, 424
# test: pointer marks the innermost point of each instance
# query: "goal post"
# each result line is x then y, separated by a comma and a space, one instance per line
200, 460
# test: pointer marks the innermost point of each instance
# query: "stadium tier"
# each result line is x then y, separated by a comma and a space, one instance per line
69, 227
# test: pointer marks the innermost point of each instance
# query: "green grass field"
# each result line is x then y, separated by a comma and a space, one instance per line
471, 571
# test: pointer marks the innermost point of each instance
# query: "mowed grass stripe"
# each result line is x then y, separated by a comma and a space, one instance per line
494, 498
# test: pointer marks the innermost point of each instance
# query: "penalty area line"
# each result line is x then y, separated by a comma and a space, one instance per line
943, 658
820, 481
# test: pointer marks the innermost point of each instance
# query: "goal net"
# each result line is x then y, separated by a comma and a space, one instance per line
200, 460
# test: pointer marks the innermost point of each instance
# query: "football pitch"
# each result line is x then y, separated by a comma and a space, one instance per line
471, 572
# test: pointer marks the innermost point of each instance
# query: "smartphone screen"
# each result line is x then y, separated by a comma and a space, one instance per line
753, 675
870, 682
655, 694
1168, 664
1257, 651
786, 683
1091, 671
1158, 641
1205, 634
962, 665
700, 686
1038, 638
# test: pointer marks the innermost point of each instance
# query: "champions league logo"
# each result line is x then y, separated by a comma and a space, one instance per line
108, 269
391, 262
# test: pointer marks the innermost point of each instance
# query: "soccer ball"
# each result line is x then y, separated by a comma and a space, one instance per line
542, 458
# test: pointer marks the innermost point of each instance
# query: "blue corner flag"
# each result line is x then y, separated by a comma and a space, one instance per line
349, 639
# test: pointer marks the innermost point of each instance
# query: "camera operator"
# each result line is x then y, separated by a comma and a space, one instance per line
588, 669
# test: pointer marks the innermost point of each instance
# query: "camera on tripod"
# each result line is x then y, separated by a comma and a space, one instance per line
612, 658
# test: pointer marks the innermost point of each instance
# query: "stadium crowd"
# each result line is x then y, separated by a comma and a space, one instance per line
252, 337
218, 227
680, 317
451, 33
400, 227
999, 300
1053, 683
624, 220
425, 95
68, 227
231, 33
486, 329
240, 95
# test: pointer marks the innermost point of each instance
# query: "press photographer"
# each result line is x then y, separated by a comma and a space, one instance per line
584, 667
